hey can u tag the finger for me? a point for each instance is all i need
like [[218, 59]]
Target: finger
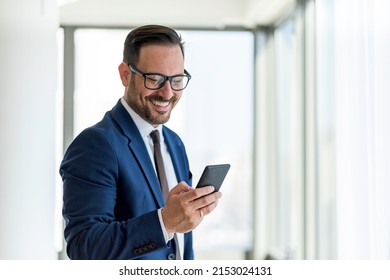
[[199, 192], [189, 195], [206, 200], [180, 188], [207, 209]]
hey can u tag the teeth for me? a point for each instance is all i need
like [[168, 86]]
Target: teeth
[[161, 103]]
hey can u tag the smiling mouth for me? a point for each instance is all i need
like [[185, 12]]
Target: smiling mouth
[[161, 103]]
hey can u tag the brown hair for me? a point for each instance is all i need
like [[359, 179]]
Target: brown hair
[[149, 35]]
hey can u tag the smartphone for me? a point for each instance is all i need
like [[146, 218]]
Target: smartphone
[[213, 175]]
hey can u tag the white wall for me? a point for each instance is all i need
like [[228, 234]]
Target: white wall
[[28, 82]]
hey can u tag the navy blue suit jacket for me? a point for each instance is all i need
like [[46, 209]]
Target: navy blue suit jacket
[[111, 192]]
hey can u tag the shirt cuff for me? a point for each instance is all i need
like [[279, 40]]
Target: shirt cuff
[[167, 237]]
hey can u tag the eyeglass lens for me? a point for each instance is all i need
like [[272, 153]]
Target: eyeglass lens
[[157, 81]]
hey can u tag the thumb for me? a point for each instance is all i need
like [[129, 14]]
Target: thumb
[[180, 188]]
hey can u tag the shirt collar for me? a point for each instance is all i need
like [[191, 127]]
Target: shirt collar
[[143, 126]]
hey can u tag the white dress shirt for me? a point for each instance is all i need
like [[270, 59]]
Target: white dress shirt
[[145, 129]]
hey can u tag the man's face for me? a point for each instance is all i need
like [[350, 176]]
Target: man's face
[[155, 106]]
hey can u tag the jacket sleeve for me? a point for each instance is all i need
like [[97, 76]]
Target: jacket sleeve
[[89, 172]]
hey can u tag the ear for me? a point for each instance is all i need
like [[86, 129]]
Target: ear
[[124, 73]]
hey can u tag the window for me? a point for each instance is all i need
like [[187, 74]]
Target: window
[[288, 146], [354, 63], [279, 133]]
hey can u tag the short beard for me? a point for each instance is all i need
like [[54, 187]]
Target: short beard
[[148, 113], [144, 111]]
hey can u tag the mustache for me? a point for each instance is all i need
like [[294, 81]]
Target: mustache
[[161, 99]]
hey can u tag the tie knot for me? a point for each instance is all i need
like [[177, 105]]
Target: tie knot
[[155, 136]]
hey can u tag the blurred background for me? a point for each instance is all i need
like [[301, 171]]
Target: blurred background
[[294, 94]]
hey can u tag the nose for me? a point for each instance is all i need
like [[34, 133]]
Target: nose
[[166, 91]]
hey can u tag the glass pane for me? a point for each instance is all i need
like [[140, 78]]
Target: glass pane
[[59, 152], [215, 122], [288, 134], [353, 99], [97, 85]]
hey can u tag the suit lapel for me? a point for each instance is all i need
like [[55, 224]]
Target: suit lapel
[[138, 149]]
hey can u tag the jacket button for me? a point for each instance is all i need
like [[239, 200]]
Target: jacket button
[[171, 257], [151, 246]]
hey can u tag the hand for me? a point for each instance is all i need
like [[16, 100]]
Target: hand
[[185, 207]]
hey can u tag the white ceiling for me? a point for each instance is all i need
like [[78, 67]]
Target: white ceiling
[[175, 13]]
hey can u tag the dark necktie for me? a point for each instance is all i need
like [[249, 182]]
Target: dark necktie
[[158, 160], [162, 177]]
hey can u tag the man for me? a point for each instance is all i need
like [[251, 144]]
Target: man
[[114, 207]]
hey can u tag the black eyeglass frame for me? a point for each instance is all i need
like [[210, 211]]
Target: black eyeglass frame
[[166, 78]]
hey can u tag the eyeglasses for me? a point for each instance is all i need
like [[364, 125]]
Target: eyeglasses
[[156, 81]]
